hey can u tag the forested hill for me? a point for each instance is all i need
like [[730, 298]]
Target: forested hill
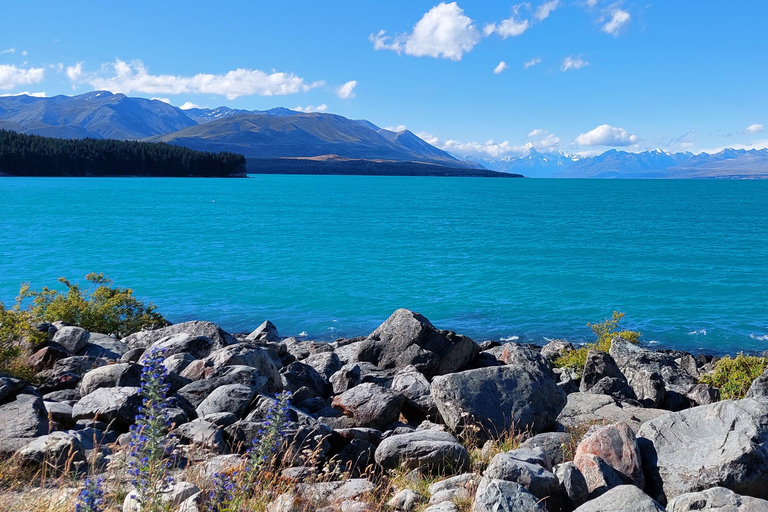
[[32, 155]]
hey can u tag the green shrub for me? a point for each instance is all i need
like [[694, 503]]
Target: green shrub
[[18, 336], [604, 331], [734, 376], [101, 308]]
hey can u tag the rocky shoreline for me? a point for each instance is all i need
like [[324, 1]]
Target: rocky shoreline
[[636, 430]]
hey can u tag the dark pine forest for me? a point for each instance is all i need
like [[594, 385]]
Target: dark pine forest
[[32, 155]]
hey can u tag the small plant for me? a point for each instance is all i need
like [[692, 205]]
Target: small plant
[[102, 308], [605, 332], [148, 465], [18, 335], [734, 376], [254, 482], [91, 497]]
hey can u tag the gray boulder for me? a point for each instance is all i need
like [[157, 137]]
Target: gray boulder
[[502, 496], [183, 342], [101, 345], [615, 444], [624, 498], [499, 398], [145, 339], [586, 408], [598, 474], [299, 375], [533, 477], [325, 363], [370, 405], [177, 363], [196, 392], [759, 387], [79, 365], [234, 398], [723, 444], [119, 405], [58, 450], [245, 355], [120, 374], [201, 433], [717, 499], [10, 387], [415, 388], [21, 420], [265, 332], [552, 443], [555, 349], [71, 338], [515, 354], [430, 450], [599, 365], [573, 483], [408, 338]]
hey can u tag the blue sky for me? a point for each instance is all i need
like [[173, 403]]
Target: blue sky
[[572, 75]]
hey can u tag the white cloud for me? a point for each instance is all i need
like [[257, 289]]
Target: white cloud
[[164, 100], [9, 50], [545, 9], [754, 128], [544, 141], [319, 108], [75, 73], [347, 90], [489, 149], [188, 105], [591, 3], [397, 129], [11, 76], [618, 19], [511, 27], [532, 62], [606, 135], [501, 67], [25, 93], [444, 31], [572, 62], [240, 82]]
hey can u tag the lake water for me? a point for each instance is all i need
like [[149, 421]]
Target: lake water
[[329, 256]]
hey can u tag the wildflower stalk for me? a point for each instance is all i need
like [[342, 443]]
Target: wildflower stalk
[[148, 465]]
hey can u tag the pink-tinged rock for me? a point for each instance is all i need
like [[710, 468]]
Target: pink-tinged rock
[[616, 445], [45, 357]]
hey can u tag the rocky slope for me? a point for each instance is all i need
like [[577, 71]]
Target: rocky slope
[[408, 397]]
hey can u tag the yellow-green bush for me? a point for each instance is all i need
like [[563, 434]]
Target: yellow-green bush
[[734, 376], [101, 308], [604, 331]]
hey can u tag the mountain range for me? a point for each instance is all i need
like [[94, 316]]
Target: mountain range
[[327, 142], [270, 134], [728, 163]]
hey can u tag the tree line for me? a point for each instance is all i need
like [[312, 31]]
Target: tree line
[[33, 155]]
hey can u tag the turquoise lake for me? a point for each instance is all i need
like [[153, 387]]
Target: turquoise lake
[[330, 256]]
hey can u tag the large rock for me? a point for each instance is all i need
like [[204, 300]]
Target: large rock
[[370, 405], [759, 387], [573, 483], [717, 499], [20, 421], [10, 387], [723, 444], [101, 345], [145, 339], [234, 398], [265, 332], [502, 496], [600, 477], [513, 468], [201, 433], [415, 387], [431, 450], [515, 354], [407, 338], [551, 443], [58, 450], [616, 445], [181, 343], [299, 375], [197, 391], [119, 405], [624, 498], [120, 374], [71, 338], [499, 398], [587, 408], [245, 355], [598, 366], [324, 363]]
